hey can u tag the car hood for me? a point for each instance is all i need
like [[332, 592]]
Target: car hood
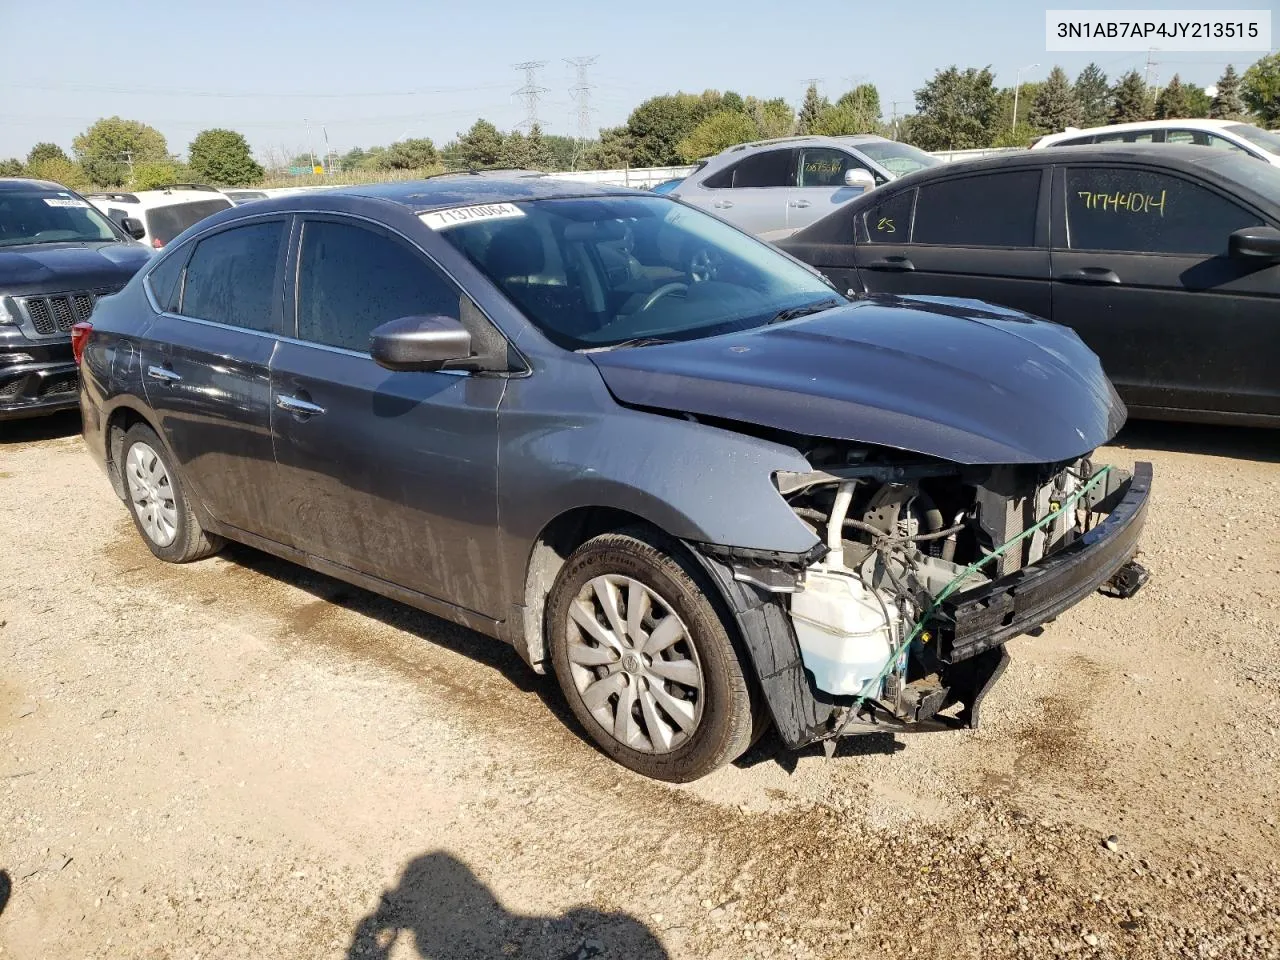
[[962, 380], [68, 267]]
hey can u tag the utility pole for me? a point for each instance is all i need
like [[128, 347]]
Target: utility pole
[[328, 156], [530, 91], [581, 92], [128, 159], [1017, 85], [893, 123], [312, 144]]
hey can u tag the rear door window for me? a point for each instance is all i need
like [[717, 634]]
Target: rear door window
[[352, 279], [164, 279], [990, 210], [890, 220], [165, 223], [1148, 211], [769, 168], [231, 277]]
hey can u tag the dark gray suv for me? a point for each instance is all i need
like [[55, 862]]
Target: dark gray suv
[[649, 451]]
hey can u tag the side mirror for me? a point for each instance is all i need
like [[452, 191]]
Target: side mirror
[[419, 343], [1263, 242], [857, 177], [133, 228]]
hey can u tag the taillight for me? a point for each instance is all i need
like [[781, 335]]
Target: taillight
[[157, 243], [79, 337]]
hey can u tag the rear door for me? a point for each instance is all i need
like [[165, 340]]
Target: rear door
[[820, 185], [1141, 272], [205, 361], [982, 236], [390, 474], [752, 194]]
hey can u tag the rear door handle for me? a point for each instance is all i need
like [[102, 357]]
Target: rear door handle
[[900, 264], [298, 405], [799, 203], [163, 374], [1090, 275]]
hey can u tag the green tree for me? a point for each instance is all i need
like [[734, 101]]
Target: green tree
[[955, 110], [352, 159], [1005, 103], [656, 127], [481, 146], [732, 101], [63, 171], [156, 173], [12, 168], [842, 120], [1227, 104], [773, 118], [1094, 95], [810, 110], [413, 154], [46, 151], [1131, 99], [109, 146], [1199, 103], [561, 151], [865, 98], [222, 157], [515, 151], [718, 132], [539, 150], [1174, 101], [612, 151], [1054, 106], [1260, 90]]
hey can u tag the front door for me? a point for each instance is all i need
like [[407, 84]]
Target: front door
[[205, 362], [820, 186], [751, 194], [1141, 272], [390, 474], [983, 237]]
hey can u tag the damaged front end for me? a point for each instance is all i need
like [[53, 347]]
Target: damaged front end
[[898, 620]]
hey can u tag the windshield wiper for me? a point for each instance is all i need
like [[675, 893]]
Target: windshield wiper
[[793, 313], [634, 342]]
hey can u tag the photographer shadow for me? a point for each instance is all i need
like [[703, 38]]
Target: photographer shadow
[[450, 914]]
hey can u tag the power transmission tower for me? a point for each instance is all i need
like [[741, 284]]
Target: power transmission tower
[[581, 93], [1146, 77], [530, 92]]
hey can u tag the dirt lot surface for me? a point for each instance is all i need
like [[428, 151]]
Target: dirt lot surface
[[243, 759]]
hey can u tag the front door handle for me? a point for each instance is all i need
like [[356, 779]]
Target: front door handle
[[722, 204], [163, 374], [1090, 275], [799, 203], [297, 405], [900, 264]]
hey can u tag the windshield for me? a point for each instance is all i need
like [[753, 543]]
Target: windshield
[[50, 216], [898, 158], [596, 272], [1265, 139], [1261, 178]]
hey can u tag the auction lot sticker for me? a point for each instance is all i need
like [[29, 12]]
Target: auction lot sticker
[[1206, 30], [443, 219]]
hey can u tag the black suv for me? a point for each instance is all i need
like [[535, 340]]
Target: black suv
[[57, 256]]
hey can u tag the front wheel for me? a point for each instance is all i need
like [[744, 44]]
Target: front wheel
[[644, 659]]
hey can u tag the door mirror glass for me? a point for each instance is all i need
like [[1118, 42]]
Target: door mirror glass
[[419, 343], [133, 228], [1261, 242], [857, 177]]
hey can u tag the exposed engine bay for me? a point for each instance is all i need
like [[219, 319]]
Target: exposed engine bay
[[901, 536]]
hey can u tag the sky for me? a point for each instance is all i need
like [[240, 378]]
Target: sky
[[285, 72]]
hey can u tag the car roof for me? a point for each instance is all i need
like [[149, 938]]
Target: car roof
[[1188, 124], [458, 190], [185, 193], [27, 183]]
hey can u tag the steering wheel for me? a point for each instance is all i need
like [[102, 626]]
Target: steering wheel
[[702, 266], [663, 291]]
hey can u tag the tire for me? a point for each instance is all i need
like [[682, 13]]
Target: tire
[[158, 503], [672, 710]]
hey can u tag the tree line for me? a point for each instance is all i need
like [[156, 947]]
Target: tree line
[[956, 109]]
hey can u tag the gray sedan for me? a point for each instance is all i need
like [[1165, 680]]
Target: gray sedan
[[658, 457]]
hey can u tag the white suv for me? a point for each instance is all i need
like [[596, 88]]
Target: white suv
[[1219, 134], [157, 216]]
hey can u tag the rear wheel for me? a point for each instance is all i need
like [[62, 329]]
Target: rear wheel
[[159, 504], [645, 661]]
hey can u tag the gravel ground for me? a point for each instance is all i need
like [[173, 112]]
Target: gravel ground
[[241, 758]]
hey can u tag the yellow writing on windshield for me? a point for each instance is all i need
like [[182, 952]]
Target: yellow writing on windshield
[[1135, 202]]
